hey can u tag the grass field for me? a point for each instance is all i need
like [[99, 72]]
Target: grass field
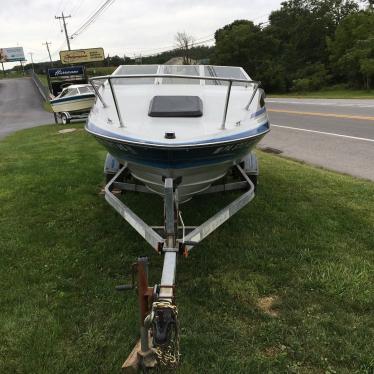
[[13, 74], [285, 286], [329, 94], [43, 78]]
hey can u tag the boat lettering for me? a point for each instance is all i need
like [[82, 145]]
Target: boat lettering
[[125, 148], [121, 147], [228, 148]]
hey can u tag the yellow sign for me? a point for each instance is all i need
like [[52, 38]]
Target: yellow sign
[[82, 55]]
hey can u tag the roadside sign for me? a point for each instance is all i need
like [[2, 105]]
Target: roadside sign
[[82, 55], [12, 54], [58, 78], [66, 72]]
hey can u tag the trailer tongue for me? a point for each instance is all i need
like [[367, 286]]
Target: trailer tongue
[[159, 327]]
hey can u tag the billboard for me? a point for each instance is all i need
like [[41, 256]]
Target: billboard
[[12, 54], [82, 55]]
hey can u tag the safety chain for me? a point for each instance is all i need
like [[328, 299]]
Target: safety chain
[[168, 355]]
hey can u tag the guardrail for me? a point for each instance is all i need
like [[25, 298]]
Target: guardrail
[[230, 81], [43, 90]]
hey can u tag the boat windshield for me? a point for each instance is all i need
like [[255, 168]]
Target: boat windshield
[[181, 70], [68, 92], [85, 90], [193, 70], [223, 72], [134, 70]]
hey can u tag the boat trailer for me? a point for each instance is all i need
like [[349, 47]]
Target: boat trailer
[[159, 329], [67, 117]]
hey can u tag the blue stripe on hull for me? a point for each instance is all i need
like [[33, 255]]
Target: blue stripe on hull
[[72, 98], [179, 158], [258, 131]]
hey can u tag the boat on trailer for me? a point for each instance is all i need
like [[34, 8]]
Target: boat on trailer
[[74, 99], [186, 122], [175, 131]]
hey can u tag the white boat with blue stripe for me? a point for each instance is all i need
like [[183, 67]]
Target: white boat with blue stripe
[[74, 98], [191, 123]]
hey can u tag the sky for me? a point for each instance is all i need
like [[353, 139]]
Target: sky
[[126, 27]]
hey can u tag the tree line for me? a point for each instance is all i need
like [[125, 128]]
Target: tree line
[[306, 45]]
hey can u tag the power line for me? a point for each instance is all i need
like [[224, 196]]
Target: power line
[[66, 31], [197, 41], [170, 50], [92, 18]]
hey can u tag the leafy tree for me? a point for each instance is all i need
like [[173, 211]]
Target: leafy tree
[[352, 48], [236, 44], [302, 27], [367, 69], [244, 44], [291, 50]]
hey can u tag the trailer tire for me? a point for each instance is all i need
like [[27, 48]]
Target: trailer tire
[[64, 119]]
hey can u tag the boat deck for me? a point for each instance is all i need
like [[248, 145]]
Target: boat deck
[[134, 102]]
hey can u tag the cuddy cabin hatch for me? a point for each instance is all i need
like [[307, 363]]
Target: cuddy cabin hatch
[[176, 106]]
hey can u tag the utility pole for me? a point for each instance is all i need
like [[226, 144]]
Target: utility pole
[[66, 31], [49, 52], [32, 61], [23, 69]]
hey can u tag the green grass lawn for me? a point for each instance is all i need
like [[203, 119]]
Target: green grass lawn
[[329, 94], [285, 286], [11, 74], [43, 78]]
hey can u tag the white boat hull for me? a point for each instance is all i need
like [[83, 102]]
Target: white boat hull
[[76, 105], [192, 131], [193, 169]]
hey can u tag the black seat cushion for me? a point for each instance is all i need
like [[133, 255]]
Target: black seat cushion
[[176, 106]]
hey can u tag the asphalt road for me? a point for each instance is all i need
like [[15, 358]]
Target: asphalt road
[[20, 106], [335, 134]]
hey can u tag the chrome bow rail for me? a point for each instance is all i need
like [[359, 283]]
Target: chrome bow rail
[[230, 81]]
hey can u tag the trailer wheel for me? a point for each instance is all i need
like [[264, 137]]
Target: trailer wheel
[[64, 119]]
